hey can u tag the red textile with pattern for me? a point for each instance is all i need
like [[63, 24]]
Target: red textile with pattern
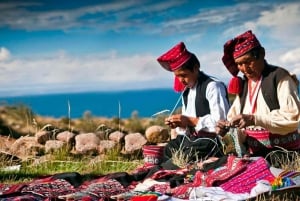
[[160, 174], [102, 188], [233, 167], [49, 189], [246, 180], [10, 188], [262, 139]]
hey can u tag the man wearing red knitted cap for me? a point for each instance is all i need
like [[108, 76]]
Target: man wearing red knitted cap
[[204, 102], [266, 110]]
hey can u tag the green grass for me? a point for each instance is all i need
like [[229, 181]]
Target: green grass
[[62, 161]]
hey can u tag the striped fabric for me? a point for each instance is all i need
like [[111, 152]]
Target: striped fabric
[[261, 139], [153, 154]]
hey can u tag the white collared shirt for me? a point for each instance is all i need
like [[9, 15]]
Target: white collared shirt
[[218, 105]]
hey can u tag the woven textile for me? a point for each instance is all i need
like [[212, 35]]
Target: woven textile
[[49, 189], [261, 139], [246, 180], [233, 167]]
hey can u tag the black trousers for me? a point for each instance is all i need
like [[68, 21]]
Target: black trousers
[[193, 148]]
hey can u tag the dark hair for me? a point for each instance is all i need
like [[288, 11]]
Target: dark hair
[[255, 52], [191, 63]]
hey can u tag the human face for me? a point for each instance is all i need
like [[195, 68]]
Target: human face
[[187, 77], [250, 66]]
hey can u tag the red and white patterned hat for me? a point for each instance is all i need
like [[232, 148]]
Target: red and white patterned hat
[[233, 49], [175, 57], [237, 47]]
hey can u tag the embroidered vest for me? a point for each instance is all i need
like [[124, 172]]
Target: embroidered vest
[[271, 77]]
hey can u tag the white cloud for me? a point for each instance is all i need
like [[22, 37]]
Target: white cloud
[[292, 56], [4, 54], [280, 27], [116, 15], [283, 22], [292, 59], [93, 72]]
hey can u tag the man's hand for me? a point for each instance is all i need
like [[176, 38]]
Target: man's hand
[[243, 120], [182, 121], [222, 127]]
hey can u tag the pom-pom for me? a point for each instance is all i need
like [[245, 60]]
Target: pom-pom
[[235, 85], [178, 86]]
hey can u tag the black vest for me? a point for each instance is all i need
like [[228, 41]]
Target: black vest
[[271, 75], [201, 103]]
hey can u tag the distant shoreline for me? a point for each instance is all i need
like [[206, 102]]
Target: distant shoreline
[[143, 103]]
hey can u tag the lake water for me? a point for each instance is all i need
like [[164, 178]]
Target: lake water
[[101, 104]]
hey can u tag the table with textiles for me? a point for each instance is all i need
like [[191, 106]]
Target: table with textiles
[[229, 177]]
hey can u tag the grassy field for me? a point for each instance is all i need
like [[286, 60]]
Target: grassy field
[[62, 161]]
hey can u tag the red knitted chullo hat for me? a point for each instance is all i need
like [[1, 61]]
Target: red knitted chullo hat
[[173, 59], [233, 49]]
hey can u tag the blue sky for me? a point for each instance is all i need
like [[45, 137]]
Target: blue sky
[[57, 46]]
